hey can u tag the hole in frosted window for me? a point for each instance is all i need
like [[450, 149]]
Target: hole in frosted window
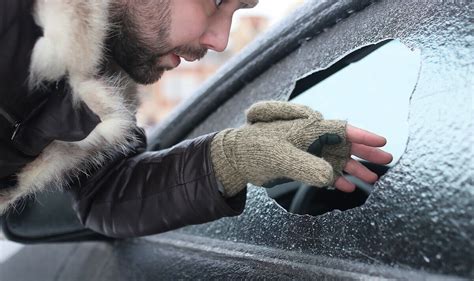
[[371, 89]]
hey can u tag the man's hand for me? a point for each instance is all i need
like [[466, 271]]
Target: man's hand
[[364, 146], [282, 140]]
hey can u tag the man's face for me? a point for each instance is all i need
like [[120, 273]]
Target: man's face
[[152, 36]]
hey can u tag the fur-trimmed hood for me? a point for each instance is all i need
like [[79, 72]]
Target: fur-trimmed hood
[[72, 48]]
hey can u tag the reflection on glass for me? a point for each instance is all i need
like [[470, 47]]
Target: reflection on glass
[[372, 93]]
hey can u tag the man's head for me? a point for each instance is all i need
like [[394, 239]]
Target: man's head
[[151, 36]]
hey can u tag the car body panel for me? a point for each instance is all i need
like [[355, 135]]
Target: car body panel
[[177, 257]]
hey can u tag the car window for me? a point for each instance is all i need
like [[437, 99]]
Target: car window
[[372, 92], [370, 88]]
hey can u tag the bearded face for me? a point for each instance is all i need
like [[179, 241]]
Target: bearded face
[[140, 42], [149, 37]]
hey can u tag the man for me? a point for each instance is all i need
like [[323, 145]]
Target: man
[[68, 71]]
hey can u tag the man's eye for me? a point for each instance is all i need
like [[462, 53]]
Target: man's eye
[[218, 2]]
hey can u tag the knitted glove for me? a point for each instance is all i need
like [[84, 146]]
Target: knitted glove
[[279, 140]]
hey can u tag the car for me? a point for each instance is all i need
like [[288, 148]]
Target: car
[[416, 222]]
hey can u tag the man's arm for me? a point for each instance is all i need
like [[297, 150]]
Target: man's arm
[[154, 192]]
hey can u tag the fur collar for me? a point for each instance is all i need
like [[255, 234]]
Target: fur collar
[[73, 46]]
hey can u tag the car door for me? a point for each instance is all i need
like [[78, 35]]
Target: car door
[[419, 214], [417, 220]]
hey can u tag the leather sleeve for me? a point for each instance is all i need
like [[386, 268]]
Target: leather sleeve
[[153, 192]]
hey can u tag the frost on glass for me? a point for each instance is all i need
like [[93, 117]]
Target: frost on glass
[[421, 212]]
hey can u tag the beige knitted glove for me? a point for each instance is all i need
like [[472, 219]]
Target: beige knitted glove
[[275, 143]]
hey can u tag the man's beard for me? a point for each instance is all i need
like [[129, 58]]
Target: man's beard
[[135, 55]]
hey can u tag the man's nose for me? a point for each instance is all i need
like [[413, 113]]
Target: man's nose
[[216, 36]]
